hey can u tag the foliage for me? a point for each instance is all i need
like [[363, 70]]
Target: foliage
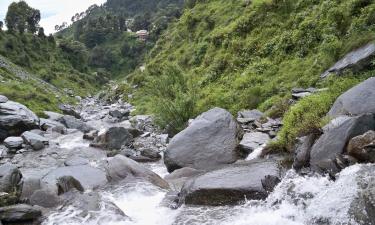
[[21, 17], [254, 57]]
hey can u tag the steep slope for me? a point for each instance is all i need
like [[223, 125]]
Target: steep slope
[[250, 54]]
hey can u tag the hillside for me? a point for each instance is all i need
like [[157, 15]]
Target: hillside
[[253, 58]]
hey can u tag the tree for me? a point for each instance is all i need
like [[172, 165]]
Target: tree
[[1, 25], [21, 17], [41, 32]]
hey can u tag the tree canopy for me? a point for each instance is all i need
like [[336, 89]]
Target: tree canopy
[[21, 17]]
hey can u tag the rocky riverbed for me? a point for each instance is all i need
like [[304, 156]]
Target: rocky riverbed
[[97, 164]]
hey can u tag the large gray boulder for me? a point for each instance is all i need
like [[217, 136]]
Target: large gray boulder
[[82, 178], [355, 60], [10, 178], [37, 142], [120, 168], [326, 150], [73, 123], [356, 101], [178, 178], [232, 184], [210, 140], [16, 118], [302, 151], [13, 142], [69, 110], [113, 138], [19, 213]]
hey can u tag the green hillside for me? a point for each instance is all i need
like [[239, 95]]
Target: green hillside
[[249, 54]]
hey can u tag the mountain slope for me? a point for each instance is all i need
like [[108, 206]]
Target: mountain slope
[[250, 54]]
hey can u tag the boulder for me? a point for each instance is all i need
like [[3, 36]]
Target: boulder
[[113, 138], [53, 115], [356, 101], [325, 151], [44, 198], [302, 151], [120, 167], [91, 135], [3, 99], [76, 161], [30, 185], [19, 213], [178, 177], [253, 140], [54, 126], [363, 147], [210, 140], [10, 178], [15, 119], [69, 110], [356, 60], [231, 184], [247, 116], [36, 141], [13, 142], [82, 178], [73, 123]]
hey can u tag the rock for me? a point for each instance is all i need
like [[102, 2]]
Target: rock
[[73, 123], [113, 138], [302, 151], [254, 140], [231, 184], [91, 135], [357, 60], [170, 200], [250, 115], [82, 178], [10, 178], [54, 126], [18, 213], [76, 161], [363, 147], [178, 177], [120, 167], [356, 101], [298, 96], [332, 143], [119, 114], [211, 140], [45, 198], [3, 99], [13, 142], [69, 110], [135, 132], [53, 115], [142, 122], [15, 119], [30, 185], [36, 141]]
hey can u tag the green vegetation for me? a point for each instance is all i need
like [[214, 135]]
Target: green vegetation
[[254, 57]]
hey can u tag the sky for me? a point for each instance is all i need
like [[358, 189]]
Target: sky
[[53, 11]]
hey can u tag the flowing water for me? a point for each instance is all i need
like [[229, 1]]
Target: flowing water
[[297, 200]]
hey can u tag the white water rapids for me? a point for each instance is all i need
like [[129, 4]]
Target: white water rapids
[[297, 200]]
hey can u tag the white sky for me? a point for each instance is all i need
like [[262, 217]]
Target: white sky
[[53, 11]]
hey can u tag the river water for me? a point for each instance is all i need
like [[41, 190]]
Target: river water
[[297, 200]]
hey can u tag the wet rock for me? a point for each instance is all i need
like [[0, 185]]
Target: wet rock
[[54, 126], [19, 213], [356, 60], [302, 151], [178, 177], [76, 161], [13, 142], [363, 147], [332, 143], [253, 140], [3, 99], [82, 178], [171, 200], [10, 178], [73, 123], [30, 185], [44, 198], [211, 140], [356, 101], [91, 135], [120, 167], [69, 110], [113, 138], [231, 184], [15, 119], [36, 141]]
